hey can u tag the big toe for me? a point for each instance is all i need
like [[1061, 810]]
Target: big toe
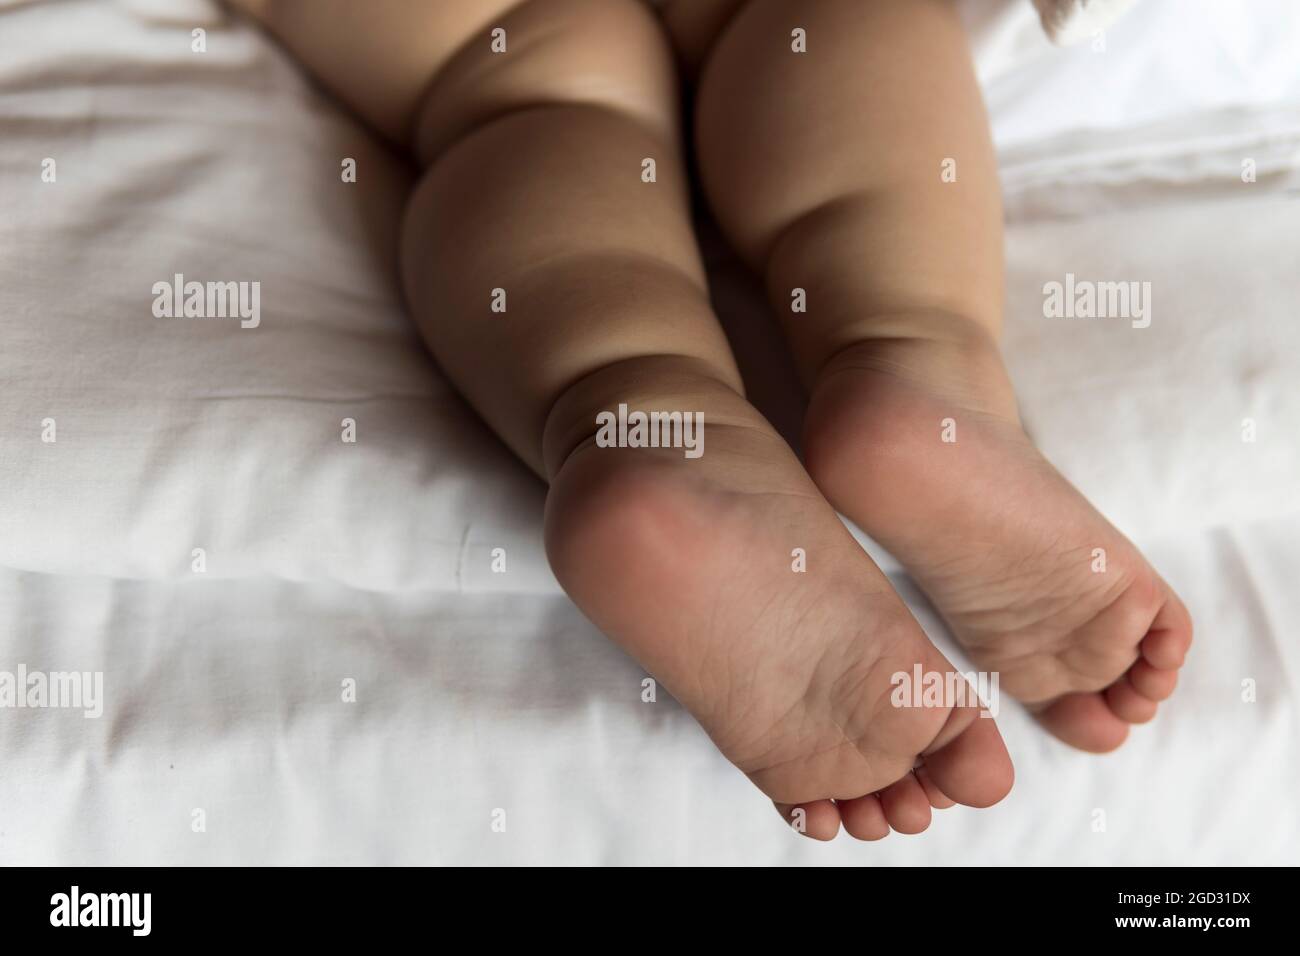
[[971, 767]]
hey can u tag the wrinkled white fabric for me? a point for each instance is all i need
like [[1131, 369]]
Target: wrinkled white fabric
[[372, 561]]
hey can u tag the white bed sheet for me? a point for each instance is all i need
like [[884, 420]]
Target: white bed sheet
[[225, 697], [371, 561]]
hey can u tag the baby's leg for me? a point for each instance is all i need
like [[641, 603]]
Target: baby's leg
[[536, 188], [859, 179], [534, 199]]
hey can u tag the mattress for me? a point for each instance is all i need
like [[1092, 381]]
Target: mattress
[[307, 654]]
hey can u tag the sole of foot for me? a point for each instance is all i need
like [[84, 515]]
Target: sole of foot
[[734, 583], [919, 443]]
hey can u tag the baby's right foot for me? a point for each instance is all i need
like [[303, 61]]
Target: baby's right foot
[[690, 565]]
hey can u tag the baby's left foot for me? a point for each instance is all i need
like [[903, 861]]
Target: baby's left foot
[[918, 442]]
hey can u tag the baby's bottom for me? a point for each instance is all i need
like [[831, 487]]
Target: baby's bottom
[[555, 274]]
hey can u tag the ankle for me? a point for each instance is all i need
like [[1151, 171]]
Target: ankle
[[894, 395], [687, 388], [943, 354]]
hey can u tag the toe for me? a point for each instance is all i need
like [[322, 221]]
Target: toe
[[1127, 704], [973, 767], [938, 799], [1152, 683], [819, 819], [1169, 636], [864, 817], [906, 806], [1084, 721]]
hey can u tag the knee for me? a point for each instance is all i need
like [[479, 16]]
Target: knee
[[608, 53]]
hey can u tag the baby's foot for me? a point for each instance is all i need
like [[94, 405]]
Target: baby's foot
[[690, 564], [917, 440]]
